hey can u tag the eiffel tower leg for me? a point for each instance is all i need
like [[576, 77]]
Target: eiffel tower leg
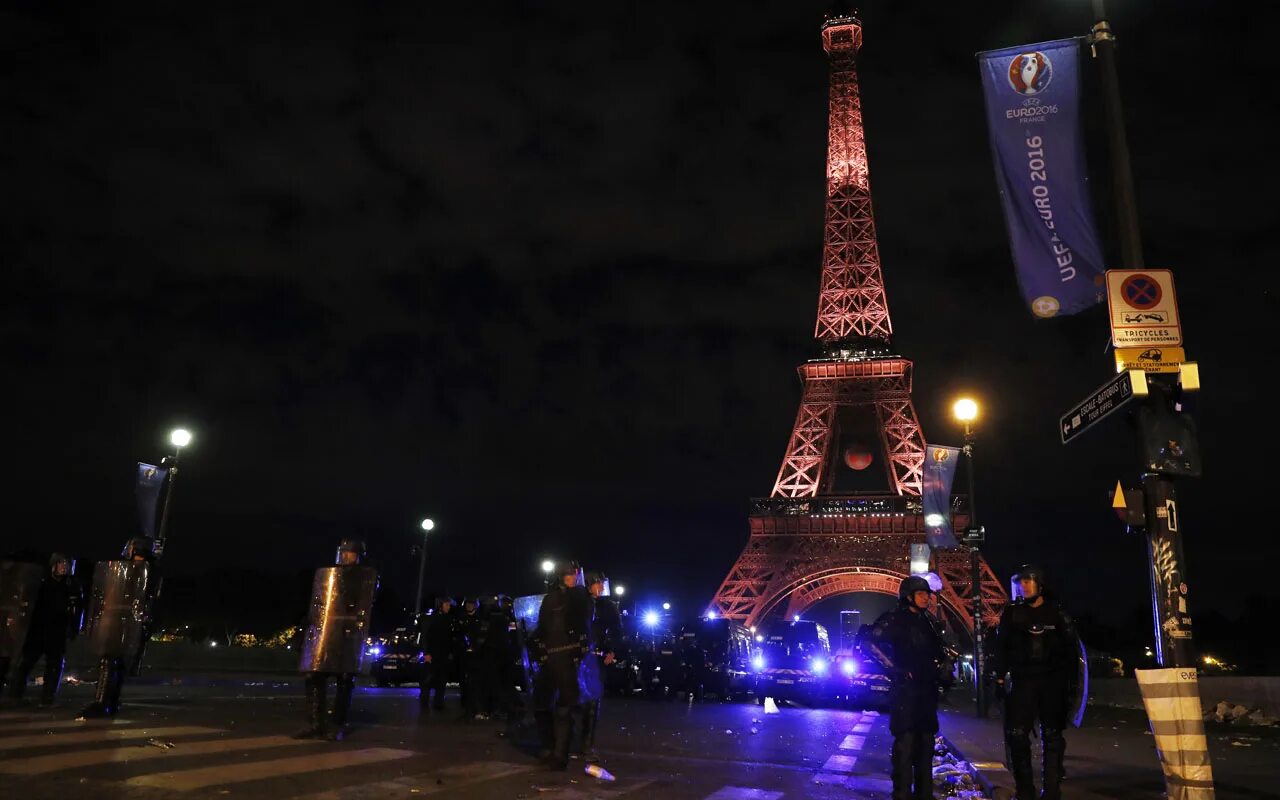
[[903, 442]]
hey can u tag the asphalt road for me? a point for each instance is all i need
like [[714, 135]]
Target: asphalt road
[[230, 739]]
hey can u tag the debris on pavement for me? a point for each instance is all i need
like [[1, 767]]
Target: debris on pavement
[[1236, 714], [953, 777]]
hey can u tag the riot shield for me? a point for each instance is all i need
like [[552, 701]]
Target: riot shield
[[526, 612], [19, 587], [1080, 698], [338, 620], [119, 609]]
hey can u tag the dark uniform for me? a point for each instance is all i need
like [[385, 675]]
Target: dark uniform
[[439, 645], [1037, 645], [606, 629], [908, 645], [469, 636], [563, 641], [485, 631], [59, 611], [119, 620], [334, 641]]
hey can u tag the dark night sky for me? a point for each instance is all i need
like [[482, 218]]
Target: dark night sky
[[546, 273]]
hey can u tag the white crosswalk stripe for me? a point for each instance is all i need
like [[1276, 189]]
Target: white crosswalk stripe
[[448, 779], [101, 735], [852, 742], [37, 765], [202, 777], [61, 724]]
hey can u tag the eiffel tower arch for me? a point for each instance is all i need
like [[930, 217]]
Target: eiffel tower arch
[[839, 519]]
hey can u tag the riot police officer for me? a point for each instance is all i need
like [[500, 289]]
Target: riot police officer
[[606, 627], [19, 586], [1037, 646], [564, 639], [469, 634], [439, 646], [59, 610], [908, 644], [119, 620], [334, 641]]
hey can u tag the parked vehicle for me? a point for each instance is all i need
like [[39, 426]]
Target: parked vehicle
[[715, 658], [793, 663], [398, 659]]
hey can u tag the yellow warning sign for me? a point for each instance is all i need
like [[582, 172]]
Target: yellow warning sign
[[1150, 359]]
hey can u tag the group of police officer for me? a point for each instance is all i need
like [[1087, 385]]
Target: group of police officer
[[1035, 665]]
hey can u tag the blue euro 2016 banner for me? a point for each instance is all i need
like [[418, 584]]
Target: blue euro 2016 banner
[[150, 482], [1033, 114], [938, 475]]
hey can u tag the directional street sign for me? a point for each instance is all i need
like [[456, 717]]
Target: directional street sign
[[1107, 398]]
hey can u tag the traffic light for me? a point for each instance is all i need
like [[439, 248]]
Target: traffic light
[[1168, 436]]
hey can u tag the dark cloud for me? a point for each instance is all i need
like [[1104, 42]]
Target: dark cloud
[[547, 272]]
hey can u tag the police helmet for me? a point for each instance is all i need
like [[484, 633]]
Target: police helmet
[[62, 558], [1032, 572], [350, 544], [910, 585], [143, 546]]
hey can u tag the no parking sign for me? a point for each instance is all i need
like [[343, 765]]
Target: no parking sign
[[1144, 310]]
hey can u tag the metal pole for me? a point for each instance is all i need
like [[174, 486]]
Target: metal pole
[[422, 571], [975, 563], [1104, 45], [164, 509]]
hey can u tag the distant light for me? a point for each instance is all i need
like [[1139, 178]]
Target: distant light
[[180, 437], [757, 663], [666, 606], [759, 638], [849, 667], [651, 618], [711, 615], [965, 409], [818, 665], [428, 524], [548, 565], [753, 628], [375, 651], [619, 590], [797, 618], [213, 644], [934, 520]]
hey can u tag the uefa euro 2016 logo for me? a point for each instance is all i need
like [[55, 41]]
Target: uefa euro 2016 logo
[[1030, 73]]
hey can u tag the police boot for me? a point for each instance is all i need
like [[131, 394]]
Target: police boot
[[53, 666], [315, 686], [1017, 749], [901, 761], [922, 767], [544, 720], [559, 758], [590, 724], [114, 687], [341, 705], [1055, 747], [98, 708]]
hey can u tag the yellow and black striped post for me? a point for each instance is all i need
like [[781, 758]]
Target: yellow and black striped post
[[1172, 699]]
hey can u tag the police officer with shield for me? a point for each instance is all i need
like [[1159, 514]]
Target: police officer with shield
[[334, 641], [1038, 666], [59, 610], [119, 620], [19, 589], [907, 642], [606, 627], [563, 641]]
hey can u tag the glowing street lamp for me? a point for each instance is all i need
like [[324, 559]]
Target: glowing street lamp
[[547, 566], [427, 526], [966, 411], [666, 606], [619, 590]]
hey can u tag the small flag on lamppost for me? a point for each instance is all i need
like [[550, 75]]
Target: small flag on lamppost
[[150, 482]]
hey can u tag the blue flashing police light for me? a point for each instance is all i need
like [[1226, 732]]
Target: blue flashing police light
[[849, 667], [711, 615], [757, 663], [818, 666], [651, 618]]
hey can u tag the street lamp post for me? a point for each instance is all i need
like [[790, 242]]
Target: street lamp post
[[547, 566], [179, 438], [966, 410], [427, 526]]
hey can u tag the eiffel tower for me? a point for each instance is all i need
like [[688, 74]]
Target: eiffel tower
[[834, 524]]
